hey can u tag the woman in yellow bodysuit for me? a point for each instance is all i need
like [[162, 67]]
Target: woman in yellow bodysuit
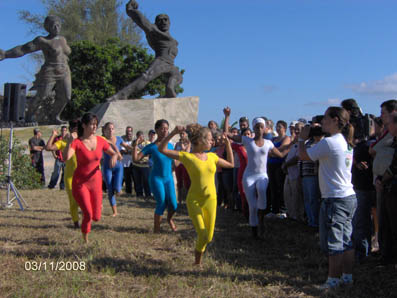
[[201, 199], [70, 166]]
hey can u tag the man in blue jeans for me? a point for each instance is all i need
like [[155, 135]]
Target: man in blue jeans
[[59, 164]]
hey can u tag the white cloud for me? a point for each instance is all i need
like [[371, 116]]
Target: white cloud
[[327, 103], [385, 86]]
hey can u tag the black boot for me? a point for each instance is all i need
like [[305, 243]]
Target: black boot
[[255, 232]]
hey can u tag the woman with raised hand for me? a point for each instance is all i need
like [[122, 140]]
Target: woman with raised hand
[[70, 167], [113, 176], [87, 178], [201, 199], [339, 202], [255, 179], [161, 180]]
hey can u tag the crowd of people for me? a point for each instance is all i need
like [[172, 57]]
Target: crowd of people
[[335, 173]]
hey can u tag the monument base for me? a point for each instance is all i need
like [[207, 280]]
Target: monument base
[[142, 114]]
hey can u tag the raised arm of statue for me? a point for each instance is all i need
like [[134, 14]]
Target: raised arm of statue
[[138, 17], [19, 51]]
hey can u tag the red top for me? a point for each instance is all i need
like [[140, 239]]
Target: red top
[[88, 161], [242, 154]]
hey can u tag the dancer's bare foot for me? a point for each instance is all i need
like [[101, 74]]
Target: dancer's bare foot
[[157, 221], [197, 258], [85, 238], [172, 225], [114, 208]]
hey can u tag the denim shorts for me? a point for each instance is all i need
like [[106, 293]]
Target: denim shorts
[[336, 215]]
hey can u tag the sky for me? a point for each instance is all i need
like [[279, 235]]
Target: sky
[[280, 59]]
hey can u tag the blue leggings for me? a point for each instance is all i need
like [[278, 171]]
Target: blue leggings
[[114, 181], [163, 189]]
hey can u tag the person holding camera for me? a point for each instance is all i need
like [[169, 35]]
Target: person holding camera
[[309, 173], [335, 156]]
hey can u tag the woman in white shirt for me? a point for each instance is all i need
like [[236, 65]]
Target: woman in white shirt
[[339, 203]]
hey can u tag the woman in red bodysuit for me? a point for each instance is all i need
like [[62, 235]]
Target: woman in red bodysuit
[[87, 178]]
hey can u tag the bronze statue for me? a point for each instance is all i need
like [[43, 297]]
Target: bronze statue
[[54, 73], [165, 48]]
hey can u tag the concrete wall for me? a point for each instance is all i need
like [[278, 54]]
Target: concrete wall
[[141, 114]]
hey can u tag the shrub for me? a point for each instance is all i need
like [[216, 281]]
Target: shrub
[[23, 175]]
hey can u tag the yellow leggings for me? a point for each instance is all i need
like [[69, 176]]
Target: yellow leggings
[[74, 208], [203, 215]]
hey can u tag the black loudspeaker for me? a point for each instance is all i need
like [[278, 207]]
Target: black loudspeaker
[[14, 102]]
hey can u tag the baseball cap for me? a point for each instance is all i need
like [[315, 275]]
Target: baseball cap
[[36, 130], [152, 131]]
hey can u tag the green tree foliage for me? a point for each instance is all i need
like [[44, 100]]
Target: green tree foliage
[[99, 71], [92, 20], [24, 176]]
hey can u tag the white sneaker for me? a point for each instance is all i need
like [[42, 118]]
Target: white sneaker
[[282, 215], [346, 283], [271, 215], [329, 285]]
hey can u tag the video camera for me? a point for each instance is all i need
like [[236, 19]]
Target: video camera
[[362, 123]]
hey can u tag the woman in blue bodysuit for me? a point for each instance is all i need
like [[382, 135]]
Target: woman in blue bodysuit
[[160, 179], [113, 176]]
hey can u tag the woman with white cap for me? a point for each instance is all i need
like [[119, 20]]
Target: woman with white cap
[[255, 179]]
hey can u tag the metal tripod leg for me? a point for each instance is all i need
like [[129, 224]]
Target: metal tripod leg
[[17, 196]]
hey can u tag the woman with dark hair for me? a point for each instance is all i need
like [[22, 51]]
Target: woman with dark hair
[[182, 177], [212, 125], [339, 203], [201, 166], [276, 175], [113, 176], [242, 156], [87, 178], [161, 180]]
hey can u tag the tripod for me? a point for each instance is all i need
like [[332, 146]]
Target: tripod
[[10, 184]]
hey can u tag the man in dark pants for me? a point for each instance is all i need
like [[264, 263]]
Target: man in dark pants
[[59, 164], [127, 160], [36, 146], [388, 183], [383, 153]]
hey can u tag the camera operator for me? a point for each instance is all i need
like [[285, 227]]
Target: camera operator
[[362, 177], [335, 156], [362, 123], [308, 170]]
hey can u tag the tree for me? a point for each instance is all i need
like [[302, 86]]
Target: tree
[[92, 20], [99, 71]]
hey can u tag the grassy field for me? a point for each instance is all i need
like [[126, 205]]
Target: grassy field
[[125, 259]]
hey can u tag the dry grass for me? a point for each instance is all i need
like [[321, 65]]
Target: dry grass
[[125, 259]]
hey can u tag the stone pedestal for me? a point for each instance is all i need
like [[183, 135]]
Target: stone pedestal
[[141, 114]]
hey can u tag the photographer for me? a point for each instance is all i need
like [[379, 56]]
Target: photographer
[[309, 172], [339, 203]]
